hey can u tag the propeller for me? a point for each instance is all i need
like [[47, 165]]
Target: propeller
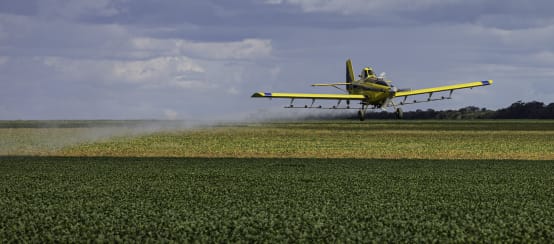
[[393, 89]]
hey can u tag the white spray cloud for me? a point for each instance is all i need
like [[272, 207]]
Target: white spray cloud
[[170, 114]]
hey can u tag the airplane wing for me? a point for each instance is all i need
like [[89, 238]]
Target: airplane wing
[[309, 96], [443, 88]]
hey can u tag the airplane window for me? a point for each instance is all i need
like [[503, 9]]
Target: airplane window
[[382, 82]]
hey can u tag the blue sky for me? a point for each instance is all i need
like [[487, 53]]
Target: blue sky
[[158, 59]]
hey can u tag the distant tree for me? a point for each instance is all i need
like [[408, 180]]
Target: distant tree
[[517, 110], [549, 111], [522, 110]]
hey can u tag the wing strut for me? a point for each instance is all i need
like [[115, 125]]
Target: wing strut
[[338, 104]]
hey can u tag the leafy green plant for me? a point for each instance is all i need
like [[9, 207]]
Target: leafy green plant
[[69, 199]]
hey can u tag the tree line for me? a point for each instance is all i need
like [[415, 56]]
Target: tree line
[[518, 110]]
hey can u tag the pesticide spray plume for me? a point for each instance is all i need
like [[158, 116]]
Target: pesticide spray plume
[[42, 138], [293, 115], [49, 137]]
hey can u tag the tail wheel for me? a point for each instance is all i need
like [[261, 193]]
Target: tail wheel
[[399, 113], [361, 115]]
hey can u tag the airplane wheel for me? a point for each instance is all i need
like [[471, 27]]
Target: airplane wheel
[[399, 113], [361, 115]]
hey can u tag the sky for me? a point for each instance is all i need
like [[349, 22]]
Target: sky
[[193, 60]]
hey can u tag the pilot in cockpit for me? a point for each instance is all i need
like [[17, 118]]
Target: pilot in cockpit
[[367, 73]]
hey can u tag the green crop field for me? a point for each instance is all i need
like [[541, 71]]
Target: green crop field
[[340, 181]]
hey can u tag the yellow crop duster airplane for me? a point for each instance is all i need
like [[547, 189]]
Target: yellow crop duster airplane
[[370, 90]]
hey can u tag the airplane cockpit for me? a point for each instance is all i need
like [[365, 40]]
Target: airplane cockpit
[[367, 72]]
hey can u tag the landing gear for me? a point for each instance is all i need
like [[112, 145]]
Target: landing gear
[[399, 113], [361, 112]]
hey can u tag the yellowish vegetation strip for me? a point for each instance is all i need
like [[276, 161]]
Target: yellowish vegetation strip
[[300, 140]]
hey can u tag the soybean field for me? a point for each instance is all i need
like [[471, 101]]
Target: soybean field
[[316, 181]]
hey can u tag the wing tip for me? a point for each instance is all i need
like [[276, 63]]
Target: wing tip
[[261, 94], [487, 82]]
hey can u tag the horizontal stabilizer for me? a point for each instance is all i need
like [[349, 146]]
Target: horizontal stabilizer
[[332, 84]]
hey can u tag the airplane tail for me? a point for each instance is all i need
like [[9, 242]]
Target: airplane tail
[[349, 75]]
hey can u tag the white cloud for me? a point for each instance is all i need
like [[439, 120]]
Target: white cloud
[[363, 6], [4, 60], [514, 73], [514, 21], [40, 37], [154, 69], [510, 14], [274, 1], [192, 84], [117, 54], [273, 72], [167, 71], [539, 37], [233, 91], [3, 33], [533, 37], [245, 49], [74, 9], [72, 69], [544, 57], [113, 41]]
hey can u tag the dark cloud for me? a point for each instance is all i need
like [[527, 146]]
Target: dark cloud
[[511, 14]]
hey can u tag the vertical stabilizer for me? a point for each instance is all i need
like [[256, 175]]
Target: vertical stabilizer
[[349, 75]]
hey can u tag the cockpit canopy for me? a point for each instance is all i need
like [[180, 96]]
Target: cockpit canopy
[[367, 73]]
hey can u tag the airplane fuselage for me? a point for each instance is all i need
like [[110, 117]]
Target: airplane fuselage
[[376, 91]]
